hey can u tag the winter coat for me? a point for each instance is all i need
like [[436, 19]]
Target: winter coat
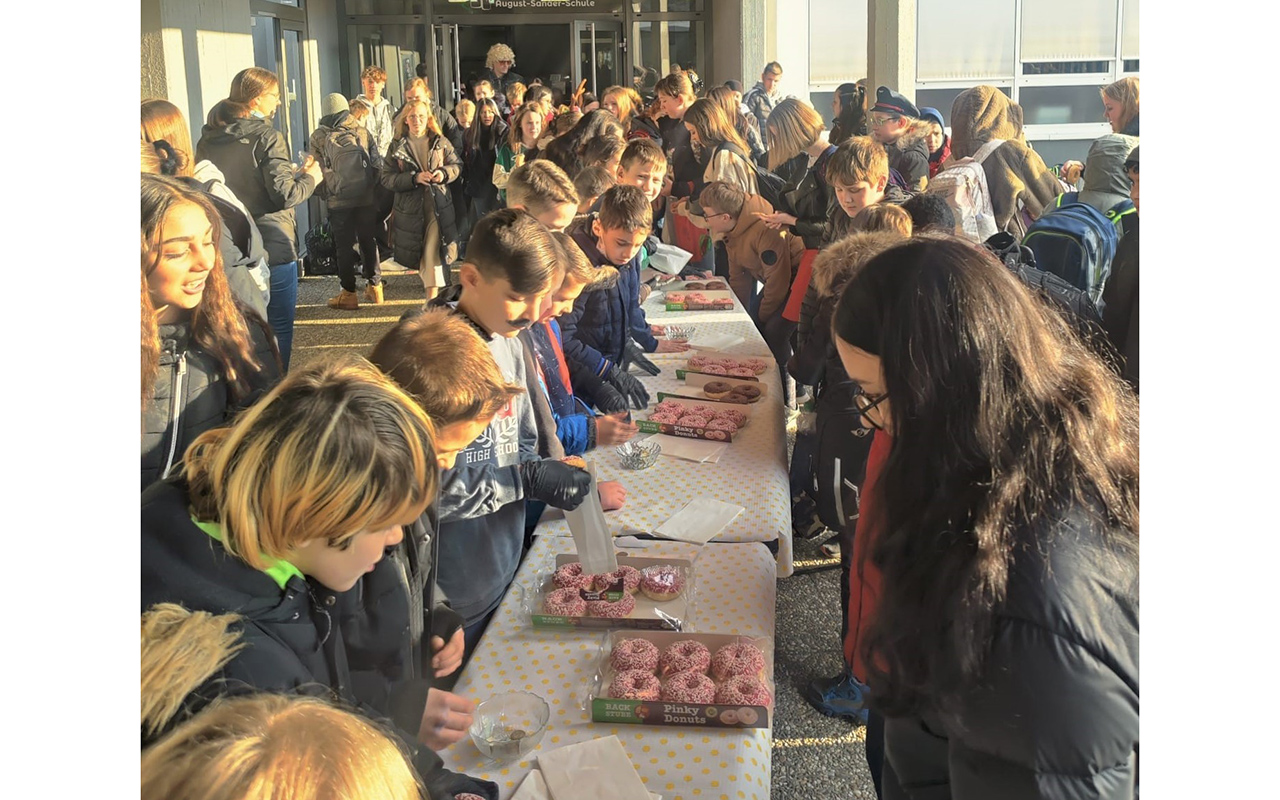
[[760, 103], [480, 160], [1016, 175], [318, 143], [729, 164], [1120, 299], [410, 204], [759, 253], [1055, 712], [448, 125], [808, 197], [910, 157], [500, 85], [596, 330], [244, 258], [686, 170], [1132, 128], [575, 425], [191, 395], [258, 167], [644, 128], [288, 624], [481, 501]]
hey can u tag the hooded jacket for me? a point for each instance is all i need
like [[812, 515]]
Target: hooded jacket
[[1106, 184], [258, 167], [289, 624], [1016, 175], [1055, 713], [910, 157], [481, 501], [319, 138], [409, 230], [758, 253], [596, 330], [191, 395], [381, 124]]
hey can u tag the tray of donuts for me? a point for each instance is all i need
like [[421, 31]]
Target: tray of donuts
[[708, 680], [642, 594], [720, 365], [694, 418], [699, 296]]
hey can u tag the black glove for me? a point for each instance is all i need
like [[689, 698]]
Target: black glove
[[445, 622], [632, 354], [630, 387], [555, 483], [608, 399]]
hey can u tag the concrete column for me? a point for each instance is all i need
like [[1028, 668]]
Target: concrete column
[[891, 47], [154, 80]]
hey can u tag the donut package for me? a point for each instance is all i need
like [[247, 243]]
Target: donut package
[[698, 296], [641, 594], [695, 418], [707, 680]]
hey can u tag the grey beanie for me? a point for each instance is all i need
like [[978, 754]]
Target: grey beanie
[[332, 104]]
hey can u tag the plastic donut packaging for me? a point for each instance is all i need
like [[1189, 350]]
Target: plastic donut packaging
[[570, 598]]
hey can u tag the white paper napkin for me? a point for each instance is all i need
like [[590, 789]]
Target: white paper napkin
[[534, 787], [699, 450], [669, 258], [598, 769], [699, 521], [715, 341]]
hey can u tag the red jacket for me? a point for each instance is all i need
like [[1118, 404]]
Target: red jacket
[[864, 588]]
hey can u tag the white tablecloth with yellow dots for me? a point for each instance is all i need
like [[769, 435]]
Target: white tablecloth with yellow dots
[[735, 594], [752, 472]]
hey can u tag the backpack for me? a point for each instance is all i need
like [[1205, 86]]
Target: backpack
[[964, 186], [322, 252], [1120, 214], [769, 185], [1076, 242], [237, 229], [348, 165], [1077, 307]]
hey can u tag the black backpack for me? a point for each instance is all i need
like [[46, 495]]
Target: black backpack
[[322, 252], [349, 173], [237, 233], [769, 185]]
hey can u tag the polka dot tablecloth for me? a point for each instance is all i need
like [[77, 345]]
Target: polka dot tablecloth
[[751, 473], [734, 593]]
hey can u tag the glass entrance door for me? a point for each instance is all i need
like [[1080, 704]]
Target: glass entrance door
[[597, 54]]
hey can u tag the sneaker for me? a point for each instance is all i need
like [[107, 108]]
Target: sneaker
[[345, 301], [831, 550], [838, 696], [804, 519], [373, 294]]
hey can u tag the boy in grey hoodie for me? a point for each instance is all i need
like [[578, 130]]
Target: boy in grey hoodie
[[509, 268]]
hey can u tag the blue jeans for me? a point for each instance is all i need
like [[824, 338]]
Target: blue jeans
[[283, 306]]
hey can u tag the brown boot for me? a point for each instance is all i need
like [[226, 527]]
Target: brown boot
[[373, 294], [345, 301]]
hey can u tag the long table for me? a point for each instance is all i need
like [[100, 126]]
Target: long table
[[736, 593], [752, 472]]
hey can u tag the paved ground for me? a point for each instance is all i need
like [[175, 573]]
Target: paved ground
[[813, 756]]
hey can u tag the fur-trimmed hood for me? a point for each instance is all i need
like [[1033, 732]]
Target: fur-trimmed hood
[[836, 264]]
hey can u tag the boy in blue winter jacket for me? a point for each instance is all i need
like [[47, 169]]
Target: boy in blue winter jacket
[[508, 271], [597, 329]]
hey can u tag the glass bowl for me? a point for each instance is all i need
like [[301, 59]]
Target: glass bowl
[[509, 726], [638, 455], [679, 333]]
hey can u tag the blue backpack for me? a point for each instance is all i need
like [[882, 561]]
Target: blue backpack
[[1076, 242]]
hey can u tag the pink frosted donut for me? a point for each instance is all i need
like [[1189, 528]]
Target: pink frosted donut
[[467, 796], [688, 687], [675, 297], [629, 654], [605, 608], [703, 410], [694, 421], [698, 361], [570, 576], [727, 362], [741, 372], [630, 577], [662, 583], [668, 405], [756, 365], [714, 369], [721, 424], [684, 656], [733, 415], [733, 660], [664, 417], [744, 690], [635, 684], [565, 603]]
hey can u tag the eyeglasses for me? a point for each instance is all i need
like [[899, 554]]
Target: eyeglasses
[[876, 122], [863, 403]]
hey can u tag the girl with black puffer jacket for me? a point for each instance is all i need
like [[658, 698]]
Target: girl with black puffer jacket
[[486, 133], [204, 357], [418, 168]]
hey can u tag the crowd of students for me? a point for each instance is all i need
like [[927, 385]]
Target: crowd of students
[[324, 547]]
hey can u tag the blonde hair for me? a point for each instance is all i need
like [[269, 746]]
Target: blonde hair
[[793, 128], [402, 121], [538, 186], [335, 449], [417, 83], [515, 93], [713, 126], [444, 365], [181, 650], [499, 52], [464, 104], [161, 120], [1124, 92], [629, 102], [272, 747], [857, 159], [883, 217]]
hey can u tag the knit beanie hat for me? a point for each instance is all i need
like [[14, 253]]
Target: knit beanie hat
[[1105, 181], [332, 104], [890, 102], [933, 115], [979, 115]]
